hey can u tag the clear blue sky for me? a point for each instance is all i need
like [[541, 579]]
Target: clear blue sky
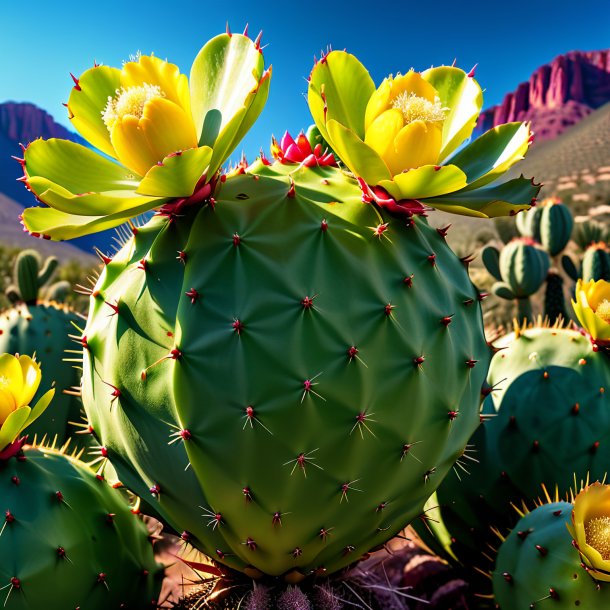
[[41, 41]]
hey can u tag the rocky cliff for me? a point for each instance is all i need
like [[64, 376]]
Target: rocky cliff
[[557, 95]]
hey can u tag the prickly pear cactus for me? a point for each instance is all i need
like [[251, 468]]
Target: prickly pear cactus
[[546, 420], [538, 567], [42, 327], [69, 540], [288, 373]]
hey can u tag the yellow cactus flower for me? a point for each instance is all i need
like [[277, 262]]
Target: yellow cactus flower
[[19, 380], [591, 529], [592, 307], [404, 122]]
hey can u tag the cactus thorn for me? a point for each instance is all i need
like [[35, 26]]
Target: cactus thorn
[[193, 295], [408, 281]]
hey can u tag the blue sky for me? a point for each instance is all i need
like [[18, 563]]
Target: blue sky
[[41, 41]]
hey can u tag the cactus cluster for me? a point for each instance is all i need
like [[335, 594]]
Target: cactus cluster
[[351, 344], [546, 420], [68, 540], [42, 326]]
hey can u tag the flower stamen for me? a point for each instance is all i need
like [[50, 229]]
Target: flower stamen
[[597, 534], [603, 311], [129, 101], [416, 108]]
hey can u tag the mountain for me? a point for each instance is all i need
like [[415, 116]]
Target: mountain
[[557, 95], [20, 123]]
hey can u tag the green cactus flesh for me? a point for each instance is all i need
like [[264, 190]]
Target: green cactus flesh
[[537, 566], [546, 421], [69, 540], [43, 330], [289, 373]]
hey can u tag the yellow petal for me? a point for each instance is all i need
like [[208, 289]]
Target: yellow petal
[[418, 143], [378, 102], [131, 145], [7, 405], [31, 379], [382, 132], [597, 292], [11, 377], [412, 82], [167, 128], [154, 71]]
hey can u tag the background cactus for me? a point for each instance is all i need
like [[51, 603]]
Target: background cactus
[[42, 327], [297, 371], [520, 268], [546, 420], [69, 540], [538, 566], [595, 264]]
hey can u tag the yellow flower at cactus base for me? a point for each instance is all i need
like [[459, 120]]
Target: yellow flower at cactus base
[[592, 307], [591, 529], [403, 122], [19, 380]]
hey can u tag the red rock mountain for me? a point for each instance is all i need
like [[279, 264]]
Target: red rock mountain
[[23, 122], [557, 95]]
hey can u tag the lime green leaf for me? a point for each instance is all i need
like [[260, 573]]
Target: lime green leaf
[[226, 70], [346, 85], [178, 175], [503, 199], [493, 154], [87, 101], [357, 155], [425, 181], [13, 425], [76, 168], [92, 204], [235, 130], [462, 96], [60, 225], [41, 406]]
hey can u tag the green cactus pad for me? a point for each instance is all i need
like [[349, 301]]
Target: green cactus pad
[[537, 566], [547, 420], [69, 540], [287, 374]]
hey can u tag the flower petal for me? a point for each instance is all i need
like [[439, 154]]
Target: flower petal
[[493, 154], [378, 102], [87, 102], [11, 376], [339, 89], [462, 95], [382, 132], [425, 181], [154, 71], [412, 83], [223, 75], [132, 146], [597, 292], [232, 133], [31, 379], [359, 157], [178, 175], [40, 406], [505, 199], [415, 145], [7, 405], [75, 167], [13, 425], [58, 225], [167, 128]]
